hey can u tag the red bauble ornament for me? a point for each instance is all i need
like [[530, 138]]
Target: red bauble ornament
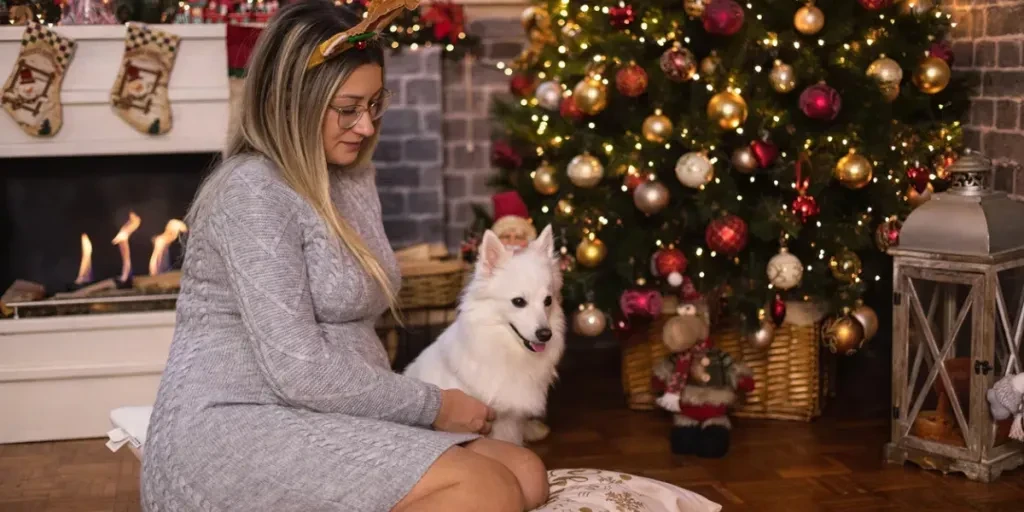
[[942, 50], [918, 177], [670, 263], [504, 156], [631, 80], [727, 235], [722, 17], [888, 234], [632, 181], [522, 85], [643, 303], [622, 328], [678, 63], [621, 16], [764, 152], [805, 207], [821, 102], [570, 110], [874, 5], [777, 310]]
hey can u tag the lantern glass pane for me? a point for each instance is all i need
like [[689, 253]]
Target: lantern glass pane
[[939, 364], [1008, 334]]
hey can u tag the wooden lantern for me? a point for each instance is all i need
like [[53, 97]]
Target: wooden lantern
[[958, 321]]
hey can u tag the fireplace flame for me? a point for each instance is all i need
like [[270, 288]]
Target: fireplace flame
[[85, 267], [159, 262], [121, 241]]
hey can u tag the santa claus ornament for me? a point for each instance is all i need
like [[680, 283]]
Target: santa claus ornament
[[512, 221]]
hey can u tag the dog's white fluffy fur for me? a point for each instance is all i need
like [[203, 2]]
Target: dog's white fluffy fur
[[494, 349]]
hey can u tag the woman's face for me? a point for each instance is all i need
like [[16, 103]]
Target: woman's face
[[353, 99]]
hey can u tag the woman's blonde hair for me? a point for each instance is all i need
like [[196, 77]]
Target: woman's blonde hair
[[283, 107]]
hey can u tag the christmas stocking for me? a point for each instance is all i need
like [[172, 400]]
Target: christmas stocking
[[139, 95], [32, 92]]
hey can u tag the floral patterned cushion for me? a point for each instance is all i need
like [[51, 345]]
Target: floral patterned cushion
[[595, 490]]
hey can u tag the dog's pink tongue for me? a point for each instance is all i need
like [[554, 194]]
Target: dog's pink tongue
[[538, 347]]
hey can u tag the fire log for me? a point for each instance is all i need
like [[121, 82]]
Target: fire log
[[88, 290], [160, 283], [20, 291]]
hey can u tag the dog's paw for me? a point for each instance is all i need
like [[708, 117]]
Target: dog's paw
[[669, 402], [535, 430]]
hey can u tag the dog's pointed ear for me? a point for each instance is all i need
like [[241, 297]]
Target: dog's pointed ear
[[545, 243], [492, 253]]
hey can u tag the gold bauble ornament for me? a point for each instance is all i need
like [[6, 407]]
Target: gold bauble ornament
[[545, 180], [782, 77], [932, 75], [809, 20], [657, 127], [589, 321], [868, 320], [845, 265], [843, 335], [854, 171], [728, 109], [591, 95], [743, 160], [885, 71], [915, 198], [709, 65], [694, 8], [585, 171], [651, 197], [890, 91], [590, 253], [537, 24], [763, 337]]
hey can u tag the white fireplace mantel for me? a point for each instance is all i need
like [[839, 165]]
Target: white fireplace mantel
[[198, 91]]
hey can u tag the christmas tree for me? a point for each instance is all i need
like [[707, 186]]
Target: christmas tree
[[764, 151]]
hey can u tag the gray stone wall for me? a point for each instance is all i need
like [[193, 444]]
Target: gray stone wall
[[434, 153], [468, 93], [987, 49], [409, 155]]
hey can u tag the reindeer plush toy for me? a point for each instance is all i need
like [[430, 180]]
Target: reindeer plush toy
[[697, 382]]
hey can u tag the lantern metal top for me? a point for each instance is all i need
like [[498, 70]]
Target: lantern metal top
[[969, 220]]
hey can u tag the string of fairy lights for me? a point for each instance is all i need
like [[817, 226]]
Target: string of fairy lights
[[656, 32]]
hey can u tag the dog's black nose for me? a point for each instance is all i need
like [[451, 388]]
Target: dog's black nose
[[543, 334]]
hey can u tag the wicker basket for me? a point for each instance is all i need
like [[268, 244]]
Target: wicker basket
[[430, 278], [791, 380]]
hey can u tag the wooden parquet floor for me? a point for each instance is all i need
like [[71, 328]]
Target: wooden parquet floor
[[832, 464]]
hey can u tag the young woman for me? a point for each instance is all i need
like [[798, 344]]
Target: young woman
[[278, 395]]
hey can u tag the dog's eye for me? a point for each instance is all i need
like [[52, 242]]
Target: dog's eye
[[547, 301], [519, 302]]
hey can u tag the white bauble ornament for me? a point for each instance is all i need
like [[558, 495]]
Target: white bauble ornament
[[763, 337], [589, 321], [694, 169], [549, 95], [585, 171], [785, 270]]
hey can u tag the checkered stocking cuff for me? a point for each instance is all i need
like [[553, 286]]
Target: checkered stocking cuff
[[140, 36], [63, 47]]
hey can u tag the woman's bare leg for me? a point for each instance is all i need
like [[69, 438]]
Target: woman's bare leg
[[527, 467], [463, 480]]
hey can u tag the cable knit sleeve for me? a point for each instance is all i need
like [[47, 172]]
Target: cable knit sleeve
[[256, 229]]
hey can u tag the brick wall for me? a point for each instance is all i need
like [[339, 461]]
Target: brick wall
[[987, 47], [467, 124], [409, 155]]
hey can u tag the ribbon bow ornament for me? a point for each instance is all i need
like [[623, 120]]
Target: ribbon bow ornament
[[379, 14]]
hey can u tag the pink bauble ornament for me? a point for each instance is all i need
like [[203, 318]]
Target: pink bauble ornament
[[874, 5], [821, 102], [722, 17], [942, 50], [621, 16], [640, 303]]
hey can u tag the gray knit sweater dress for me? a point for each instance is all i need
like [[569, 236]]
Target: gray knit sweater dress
[[278, 395]]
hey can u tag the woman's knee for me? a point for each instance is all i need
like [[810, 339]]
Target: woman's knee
[[532, 475], [498, 488]]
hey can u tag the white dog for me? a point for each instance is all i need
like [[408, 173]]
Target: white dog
[[507, 338]]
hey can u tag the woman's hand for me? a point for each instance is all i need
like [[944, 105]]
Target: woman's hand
[[463, 413]]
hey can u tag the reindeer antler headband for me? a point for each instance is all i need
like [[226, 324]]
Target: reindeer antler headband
[[379, 14]]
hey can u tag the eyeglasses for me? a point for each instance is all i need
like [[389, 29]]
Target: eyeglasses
[[349, 116]]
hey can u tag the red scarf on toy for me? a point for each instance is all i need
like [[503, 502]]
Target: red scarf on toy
[[677, 382]]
